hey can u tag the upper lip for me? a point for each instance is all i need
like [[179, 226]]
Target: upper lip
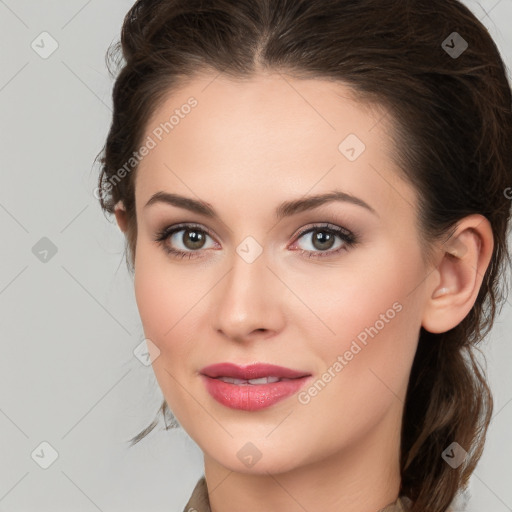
[[251, 371]]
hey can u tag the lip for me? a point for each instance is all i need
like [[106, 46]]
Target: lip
[[251, 397], [252, 371]]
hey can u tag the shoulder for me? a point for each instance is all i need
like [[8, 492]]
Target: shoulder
[[198, 501], [403, 504]]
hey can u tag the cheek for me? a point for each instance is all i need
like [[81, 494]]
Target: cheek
[[369, 315], [369, 284], [363, 369], [150, 296], [163, 311], [168, 299], [158, 294]]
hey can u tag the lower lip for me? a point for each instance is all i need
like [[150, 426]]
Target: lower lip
[[252, 397]]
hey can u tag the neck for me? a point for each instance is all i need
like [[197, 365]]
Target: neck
[[364, 477]]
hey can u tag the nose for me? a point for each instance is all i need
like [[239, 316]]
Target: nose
[[247, 303]]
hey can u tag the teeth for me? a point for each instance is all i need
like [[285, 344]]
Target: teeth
[[262, 380]]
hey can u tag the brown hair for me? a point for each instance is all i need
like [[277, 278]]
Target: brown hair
[[452, 127]]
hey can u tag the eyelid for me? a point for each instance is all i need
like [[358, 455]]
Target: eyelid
[[324, 225]]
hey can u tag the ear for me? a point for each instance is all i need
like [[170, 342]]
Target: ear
[[453, 287], [121, 218]]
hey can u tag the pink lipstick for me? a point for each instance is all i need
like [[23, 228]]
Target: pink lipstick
[[251, 387]]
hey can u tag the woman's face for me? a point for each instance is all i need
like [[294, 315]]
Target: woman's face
[[262, 286]]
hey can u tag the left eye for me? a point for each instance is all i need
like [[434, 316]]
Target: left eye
[[193, 240], [324, 239]]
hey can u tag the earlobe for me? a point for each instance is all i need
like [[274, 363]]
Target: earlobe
[[120, 213], [464, 261]]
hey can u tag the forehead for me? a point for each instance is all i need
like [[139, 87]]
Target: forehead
[[270, 138]]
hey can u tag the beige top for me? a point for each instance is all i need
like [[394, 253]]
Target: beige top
[[199, 501]]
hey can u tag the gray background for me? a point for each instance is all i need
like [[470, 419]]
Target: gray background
[[69, 326]]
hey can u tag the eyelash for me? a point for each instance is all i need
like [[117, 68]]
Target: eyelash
[[349, 239]]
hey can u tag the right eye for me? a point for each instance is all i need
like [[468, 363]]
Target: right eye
[[192, 235]]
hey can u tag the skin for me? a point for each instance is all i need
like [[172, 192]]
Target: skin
[[247, 147]]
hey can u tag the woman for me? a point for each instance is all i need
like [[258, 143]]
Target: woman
[[314, 198]]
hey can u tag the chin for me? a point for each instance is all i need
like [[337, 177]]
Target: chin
[[251, 457]]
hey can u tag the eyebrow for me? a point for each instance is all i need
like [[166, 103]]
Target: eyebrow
[[285, 209]]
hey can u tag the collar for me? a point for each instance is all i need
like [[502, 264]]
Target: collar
[[199, 501]]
